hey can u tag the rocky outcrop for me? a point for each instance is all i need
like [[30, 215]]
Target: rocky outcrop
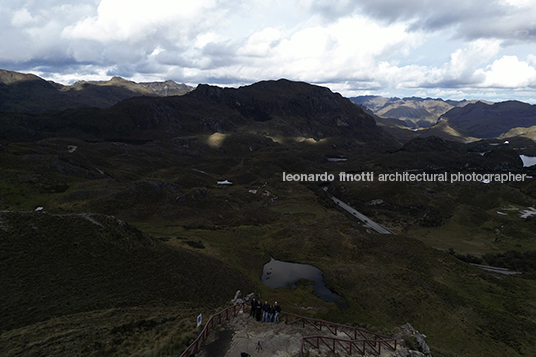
[[422, 346], [167, 88], [239, 300], [287, 108]]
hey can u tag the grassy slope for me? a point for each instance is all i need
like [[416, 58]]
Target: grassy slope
[[53, 266], [388, 281], [462, 216]]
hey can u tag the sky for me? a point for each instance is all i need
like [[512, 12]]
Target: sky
[[450, 49]]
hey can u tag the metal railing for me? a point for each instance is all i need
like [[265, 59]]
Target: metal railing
[[214, 320], [348, 346], [358, 338]]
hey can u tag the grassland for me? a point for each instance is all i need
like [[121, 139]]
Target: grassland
[[166, 194], [387, 280]]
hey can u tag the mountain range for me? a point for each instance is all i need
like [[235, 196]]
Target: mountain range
[[455, 120], [27, 94], [279, 109], [415, 112], [116, 232], [21, 92], [492, 120]]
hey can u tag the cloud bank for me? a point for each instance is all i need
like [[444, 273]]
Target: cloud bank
[[386, 47]]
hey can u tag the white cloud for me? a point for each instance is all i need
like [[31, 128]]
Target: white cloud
[[347, 49], [509, 72], [531, 59], [260, 44], [455, 94], [366, 45], [461, 69], [133, 20], [519, 3], [22, 17]]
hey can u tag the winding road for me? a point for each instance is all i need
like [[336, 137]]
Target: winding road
[[368, 222]]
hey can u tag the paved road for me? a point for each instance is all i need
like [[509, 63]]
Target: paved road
[[504, 271], [368, 222]]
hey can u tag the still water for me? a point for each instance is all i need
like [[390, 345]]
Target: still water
[[528, 160], [277, 274]]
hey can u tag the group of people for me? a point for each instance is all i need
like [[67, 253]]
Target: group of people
[[265, 312]]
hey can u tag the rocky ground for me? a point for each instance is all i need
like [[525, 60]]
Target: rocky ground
[[244, 335]]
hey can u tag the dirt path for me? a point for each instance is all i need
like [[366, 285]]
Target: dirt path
[[261, 339]]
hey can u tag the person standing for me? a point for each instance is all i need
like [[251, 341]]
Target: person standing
[[277, 310], [253, 308], [265, 311], [258, 311], [271, 314]]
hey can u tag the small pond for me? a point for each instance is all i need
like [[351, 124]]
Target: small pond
[[277, 274], [528, 160]]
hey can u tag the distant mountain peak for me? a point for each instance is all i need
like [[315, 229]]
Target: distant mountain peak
[[120, 80], [279, 108], [484, 120], [11, 77], [29, 93], [414, 111]]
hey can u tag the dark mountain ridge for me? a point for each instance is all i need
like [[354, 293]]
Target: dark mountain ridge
[[21, 92], [487, 121], [462, 121], [416, 112], [313, 111], [270, 108]]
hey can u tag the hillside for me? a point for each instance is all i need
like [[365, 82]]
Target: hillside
[[415, 112], [137, 237], [55, 266], [278, 109], [525, 132], [409, 118], [161, 89], [29, 93], [404, 134], [74, 263], [488, 121]]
